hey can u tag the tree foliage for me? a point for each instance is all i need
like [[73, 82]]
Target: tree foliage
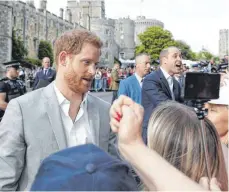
[[18, 49], [153, 40], [33, 61], [205, 55], [216, 60], [187, 53], [117, 61], [45, 50]]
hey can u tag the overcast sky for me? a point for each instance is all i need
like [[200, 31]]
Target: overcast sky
[[195, 21]]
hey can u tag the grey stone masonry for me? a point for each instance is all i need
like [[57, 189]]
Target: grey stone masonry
[[31, 24], [5, 31]]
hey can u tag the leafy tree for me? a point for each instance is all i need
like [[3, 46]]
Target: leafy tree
[[117, 61], [186, 50], [18, 49], [153, 40], [36, 62], [205, 55], [217, 60], [45, 50]]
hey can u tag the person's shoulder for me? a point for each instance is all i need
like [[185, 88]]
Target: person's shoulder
[[30, 97], [53, 70], [39, 72], [129, 80], [99, 102], [152, 76], [3, 84], [4, 79], [126, 79]]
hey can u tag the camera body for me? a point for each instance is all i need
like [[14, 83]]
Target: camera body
[[201, 86]]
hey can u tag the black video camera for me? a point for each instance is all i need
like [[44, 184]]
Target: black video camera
[[201, 86]]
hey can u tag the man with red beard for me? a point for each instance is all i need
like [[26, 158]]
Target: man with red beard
[[56, 117]]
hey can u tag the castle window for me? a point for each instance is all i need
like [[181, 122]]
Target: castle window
[[15, 21], [107, 31], [35, 44], [35, 27], [107, 56], [22, 23]]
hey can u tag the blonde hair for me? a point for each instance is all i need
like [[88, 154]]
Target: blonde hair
[[73, 41], [174, 133]]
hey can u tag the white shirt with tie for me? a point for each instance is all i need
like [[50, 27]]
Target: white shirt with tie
[[46, 71], [78, 132], [169, 79]]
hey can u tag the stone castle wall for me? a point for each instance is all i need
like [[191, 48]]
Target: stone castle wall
[[5, 31], [31, 24]]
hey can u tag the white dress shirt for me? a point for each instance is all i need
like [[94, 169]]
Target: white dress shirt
[[169, 80], [79, 132], [139, 79]]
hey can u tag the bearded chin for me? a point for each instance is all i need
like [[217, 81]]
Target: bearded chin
[[73, 82]]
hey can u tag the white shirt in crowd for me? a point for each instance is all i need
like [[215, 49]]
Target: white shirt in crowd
[[79, 132], [98, 75], [169, 80], [139, 79]]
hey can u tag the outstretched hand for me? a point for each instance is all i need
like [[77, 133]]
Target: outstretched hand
[[126, 120]]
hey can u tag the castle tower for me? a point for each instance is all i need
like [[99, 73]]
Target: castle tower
[[43, 5], [30, 2]]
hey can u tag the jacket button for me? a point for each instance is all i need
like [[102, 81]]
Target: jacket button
[[90, 168]]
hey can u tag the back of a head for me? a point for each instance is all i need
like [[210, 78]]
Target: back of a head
[[174, 133]]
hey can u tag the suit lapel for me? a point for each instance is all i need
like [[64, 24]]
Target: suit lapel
[[93, 118], [165, 82], [53, 113]]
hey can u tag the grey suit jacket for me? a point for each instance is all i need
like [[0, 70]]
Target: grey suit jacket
[[32, 129]]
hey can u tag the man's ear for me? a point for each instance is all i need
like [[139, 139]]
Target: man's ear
[[63, 58], [164, 60]]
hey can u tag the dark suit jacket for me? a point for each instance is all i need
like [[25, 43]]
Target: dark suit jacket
[[40, 76], [131, 88], [155, 90]]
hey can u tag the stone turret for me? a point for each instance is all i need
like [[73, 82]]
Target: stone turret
[[61, 13], [69, 15], [43, 5], [30, 2]]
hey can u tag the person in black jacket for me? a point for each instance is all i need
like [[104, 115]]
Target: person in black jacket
[[161, 85], [11, 87]]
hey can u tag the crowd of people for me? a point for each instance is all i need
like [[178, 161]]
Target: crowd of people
[[60, 137]]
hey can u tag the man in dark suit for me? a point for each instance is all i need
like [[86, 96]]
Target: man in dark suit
[[160, 85], [132, 86], [45, 76]]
